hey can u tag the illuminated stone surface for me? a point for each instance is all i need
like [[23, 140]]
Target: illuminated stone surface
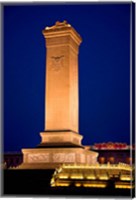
[[60, 141], [61, 137], [54, 157], [61, 103], [62, 44]]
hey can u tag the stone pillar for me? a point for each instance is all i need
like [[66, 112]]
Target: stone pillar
[[62, 44]]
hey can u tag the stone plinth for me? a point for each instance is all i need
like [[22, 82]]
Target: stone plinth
[[60, 137], [50, 158]]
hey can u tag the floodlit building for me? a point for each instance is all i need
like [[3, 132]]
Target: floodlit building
[[94, 176]]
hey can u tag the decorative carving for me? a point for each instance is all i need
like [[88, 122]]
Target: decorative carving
[[38, 157], [70, 157], [59, 25], [63, 157], [57, 62]]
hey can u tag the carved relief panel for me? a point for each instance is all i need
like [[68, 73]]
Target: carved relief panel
[[57, 62], [38, 157], [64, 157]]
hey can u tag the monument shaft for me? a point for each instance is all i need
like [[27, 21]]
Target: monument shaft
[[61, 110]]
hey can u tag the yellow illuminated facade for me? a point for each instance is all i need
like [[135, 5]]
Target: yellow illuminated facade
[[94, 176]]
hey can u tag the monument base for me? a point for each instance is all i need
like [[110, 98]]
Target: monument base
[[51, 158], [57, 148]]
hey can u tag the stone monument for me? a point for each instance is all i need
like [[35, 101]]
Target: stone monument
[[60, 141]]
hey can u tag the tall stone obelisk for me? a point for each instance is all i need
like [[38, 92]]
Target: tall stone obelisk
[[62, 44], [60, 140], [61, 110]]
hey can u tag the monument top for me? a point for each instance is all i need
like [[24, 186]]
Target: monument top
[[58, 25], [61, 28]]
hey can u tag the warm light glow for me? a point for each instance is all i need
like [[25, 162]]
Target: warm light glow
[[61, 176], [52, 180], [94, 185], [125, 178], [91, 177], [124, 186], [99, 166], [59, 170], [78, 176], [103, 178], [78, 184], [62, 184]]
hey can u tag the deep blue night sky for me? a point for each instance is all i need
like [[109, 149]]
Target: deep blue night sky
[[104, 65]]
